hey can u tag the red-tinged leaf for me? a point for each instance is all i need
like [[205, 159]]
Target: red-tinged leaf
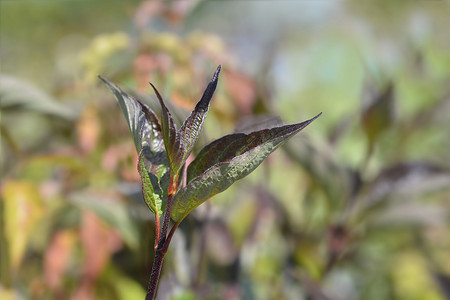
[[99, 242], [57, 257], [225, 161], [171, 136], [190, 129], [153, 165]]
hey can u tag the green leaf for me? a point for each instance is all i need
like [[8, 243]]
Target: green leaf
[[16, 94], [137, 114], [225, 161], [379, 115], [155, 180], [114, 213], [190, 129], [153, 165]]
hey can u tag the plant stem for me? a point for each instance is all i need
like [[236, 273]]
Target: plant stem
[[154, 277], [157, 231], [169, 237], [157, 264], [164, 241]]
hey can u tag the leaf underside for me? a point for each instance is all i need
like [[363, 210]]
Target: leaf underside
[[153, 165], [225, 161]]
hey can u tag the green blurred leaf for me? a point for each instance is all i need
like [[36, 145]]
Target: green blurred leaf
[[16, 94], [123, 286], [226, 160], [332, 178], [407, 180], [112, 212], [379, 115], [153, 165]]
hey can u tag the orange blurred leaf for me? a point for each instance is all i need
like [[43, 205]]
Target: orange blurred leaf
[[88, 129], [56, 258], [99, 241]]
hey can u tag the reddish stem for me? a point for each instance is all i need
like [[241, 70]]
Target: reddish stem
[[163, 241], [156, 270], [169, 237], [157, 231]]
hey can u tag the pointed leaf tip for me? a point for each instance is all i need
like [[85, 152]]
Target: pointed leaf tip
[[171, 136], [226, 160], [146, 131], [161, 101], [191, 127], [216, 74]]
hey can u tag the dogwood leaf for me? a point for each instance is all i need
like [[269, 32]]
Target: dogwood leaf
[[179, 143], [225, 161], [153, 165], [171, 136], [190, 129]]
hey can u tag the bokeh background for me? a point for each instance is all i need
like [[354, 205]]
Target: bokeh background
[[356, 207]]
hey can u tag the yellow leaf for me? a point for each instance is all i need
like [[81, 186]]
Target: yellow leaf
[[22, 209]]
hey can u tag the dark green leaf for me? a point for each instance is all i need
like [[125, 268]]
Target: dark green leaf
[[190, 129], [379, 115], [136, 113], [171, 136], [226, 160], [179, 143], [153, 165]]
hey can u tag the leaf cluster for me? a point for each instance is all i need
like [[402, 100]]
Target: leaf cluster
[[164, 148]]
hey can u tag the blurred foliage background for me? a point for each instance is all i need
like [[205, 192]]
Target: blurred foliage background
[[356, 207]]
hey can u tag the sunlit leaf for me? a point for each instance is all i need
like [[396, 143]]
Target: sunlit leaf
[[226, 160], [147, 134], [8, 294], [22, 210]]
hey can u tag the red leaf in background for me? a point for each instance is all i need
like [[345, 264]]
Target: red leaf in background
[[99, 242], [56, 258], [242, 90]]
